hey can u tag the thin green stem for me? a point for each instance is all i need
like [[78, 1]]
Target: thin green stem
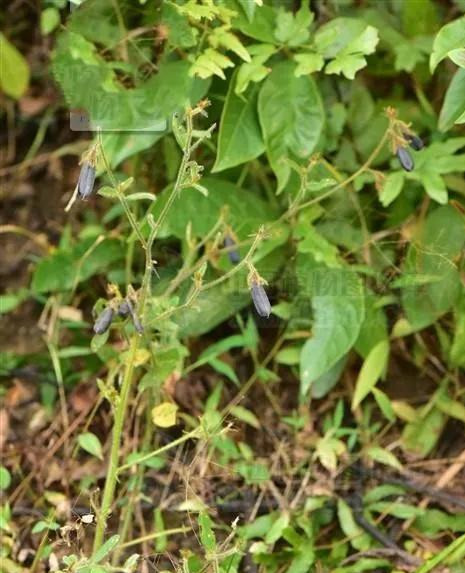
[[119, 193], [120, 414], [155, 535], [195, 433]]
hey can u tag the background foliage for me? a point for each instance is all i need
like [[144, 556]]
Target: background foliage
[[362, 357]]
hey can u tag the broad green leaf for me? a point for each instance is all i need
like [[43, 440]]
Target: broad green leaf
[[64, 268], [326, 382], [450, 37], [372, 369], [434, 186], [91, 444], [417, 22], [454, 102], [397, 509], [291, 116], [249, 8], [262, 25], [374, 326], [339, 308], [434, 249], [180, 33], [293, 29], [240, 138], [313, 243], [346, 36], [308, 63], [458, 57], [246, 211], [14, 70], [432, 521], [392, 186], [5, 478]]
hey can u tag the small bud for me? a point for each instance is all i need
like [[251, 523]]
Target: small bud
[[260, 300], [414, 141], [405, 158], [103, 321], [233, 255], [86, 180]]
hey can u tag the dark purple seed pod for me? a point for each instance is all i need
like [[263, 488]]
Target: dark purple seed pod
[[86, 180], [260, 300], [102, 324], [124, 309], [233, 255], [414, 141], [405, 158]]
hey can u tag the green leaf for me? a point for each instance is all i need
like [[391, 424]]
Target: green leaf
[[357, 537], [457, 350], [346, 64], [434, 186], [291, 29], [372, 369], [254, 71], [91, 444], [105, 549], [292, 117], [312, 242], [64, 268], [246, 211], [454, 102], [422, 435], [222, 37], [240, 138], [210, 63], [384, 404], [14, 70], [49, 20], [276, 530], [308, 63], [383, 456], [164, 415], [246, 416], [450, 37], [392, 187], [10, 301], [5, 478], [434, 248], [249, 8], [458, 57], [261, 27], [344, 36], [207, 535], [339, 308]]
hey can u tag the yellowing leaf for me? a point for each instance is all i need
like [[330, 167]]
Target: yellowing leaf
[[164, 415], [14, 70]]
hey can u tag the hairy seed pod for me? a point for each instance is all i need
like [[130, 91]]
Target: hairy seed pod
[[414, 141], [102, 324], [260, 300], [233, 255], [86, 180], [405, 159]]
